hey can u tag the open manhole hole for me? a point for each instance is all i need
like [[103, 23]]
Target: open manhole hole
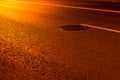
[[73, 27]]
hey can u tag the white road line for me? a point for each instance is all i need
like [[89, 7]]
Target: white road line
[[101, 28], [73, 7], [84, 8]]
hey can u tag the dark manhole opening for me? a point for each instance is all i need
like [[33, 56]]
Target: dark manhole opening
[[73, 27]]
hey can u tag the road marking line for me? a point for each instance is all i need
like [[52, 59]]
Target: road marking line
[[84, 8], [101, 28], [73, 7]]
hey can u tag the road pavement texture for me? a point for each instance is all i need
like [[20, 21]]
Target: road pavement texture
[[94, 4], [33, 47]]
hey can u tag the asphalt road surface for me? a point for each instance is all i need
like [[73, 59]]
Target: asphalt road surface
[[33, 47]]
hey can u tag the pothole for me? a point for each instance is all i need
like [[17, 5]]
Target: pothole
[[73, 27]]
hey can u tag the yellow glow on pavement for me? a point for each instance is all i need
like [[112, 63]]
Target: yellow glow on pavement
[[10, 4], [23, 12]]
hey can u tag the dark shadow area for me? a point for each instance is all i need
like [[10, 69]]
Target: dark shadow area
[[93, 4], [73, 27], [105, 5]]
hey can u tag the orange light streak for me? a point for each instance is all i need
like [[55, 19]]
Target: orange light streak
[[23, 12]]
